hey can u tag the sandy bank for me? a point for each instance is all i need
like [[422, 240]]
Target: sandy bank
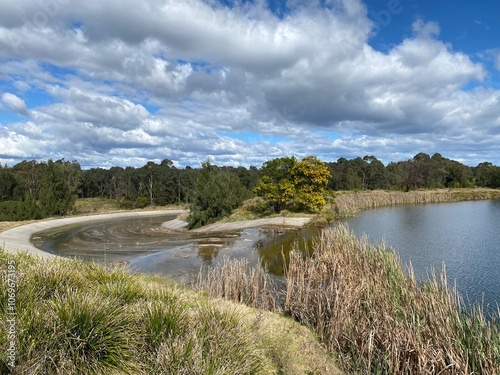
[[18, 239], [240, 225]]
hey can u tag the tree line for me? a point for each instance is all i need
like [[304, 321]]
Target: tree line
[[32, 190]]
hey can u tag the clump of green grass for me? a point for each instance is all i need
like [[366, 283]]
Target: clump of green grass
[[76, 317]]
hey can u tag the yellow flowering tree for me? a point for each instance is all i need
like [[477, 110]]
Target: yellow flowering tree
[[298, 185]]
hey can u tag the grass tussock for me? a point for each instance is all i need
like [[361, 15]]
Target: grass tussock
[[76, 317], [349, 203], [372, 316]]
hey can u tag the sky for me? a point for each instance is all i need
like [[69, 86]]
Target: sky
[[239, 82]]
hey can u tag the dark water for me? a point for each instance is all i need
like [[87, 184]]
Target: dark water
[[464, 235]]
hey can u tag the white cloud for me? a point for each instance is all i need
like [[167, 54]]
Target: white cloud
[[166, 78], [15, 103]]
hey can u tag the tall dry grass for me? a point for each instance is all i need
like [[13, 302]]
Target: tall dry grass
[[234, 280], [365, 308], [349, 203], [369, 313]]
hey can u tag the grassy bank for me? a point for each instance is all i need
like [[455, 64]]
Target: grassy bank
[[349, 203], [368, 312], [77, 317]]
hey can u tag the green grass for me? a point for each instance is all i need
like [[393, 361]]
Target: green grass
[[76, 317]]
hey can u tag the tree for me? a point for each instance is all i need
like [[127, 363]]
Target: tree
[[28, 175], [288, 183], [277, 183], [7, 184], [487, 175], [310, 176], [56, 197], [216, 194]]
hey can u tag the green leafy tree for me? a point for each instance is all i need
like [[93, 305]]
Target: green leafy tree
[[310, 177], [7, 183], [216, 194], [277, 183], [28, 176], [56, 197]]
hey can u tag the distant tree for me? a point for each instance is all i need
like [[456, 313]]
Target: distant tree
[[28, 175], [73, 173], [410, 174], [216, 194], [7, 183], [310, 176], [487, 175], [376, 174], [56, 197]]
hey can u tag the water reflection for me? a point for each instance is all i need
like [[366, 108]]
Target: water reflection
[[275, 249]]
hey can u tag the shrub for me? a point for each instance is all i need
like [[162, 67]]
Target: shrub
[[141, 202]]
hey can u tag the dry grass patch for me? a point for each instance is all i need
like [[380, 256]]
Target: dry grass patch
[[378, 320], [349, 203], [367, 312]]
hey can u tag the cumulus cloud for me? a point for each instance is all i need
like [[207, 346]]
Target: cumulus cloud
[[184, 80], [15, 103]]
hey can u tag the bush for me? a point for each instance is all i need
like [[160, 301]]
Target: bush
[[126, 204], [216, 195], [141, 202], [19, 210]]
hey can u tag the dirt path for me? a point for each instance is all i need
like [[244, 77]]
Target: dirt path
[[18, 239]]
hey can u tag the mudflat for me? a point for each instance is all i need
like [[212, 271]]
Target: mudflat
[[18, 239]]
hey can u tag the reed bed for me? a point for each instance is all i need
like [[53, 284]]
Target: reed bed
[[349, 203], [234, 280], [365, 308], [371, 315]]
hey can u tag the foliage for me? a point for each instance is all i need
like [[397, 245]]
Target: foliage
[[141, 202], [217, 193], [276, 184], [7, 184], [29, 183], [311, 177], [56, 197], [19, 210], [288, 183]]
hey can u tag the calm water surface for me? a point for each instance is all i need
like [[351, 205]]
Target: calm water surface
[[464, 235]]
